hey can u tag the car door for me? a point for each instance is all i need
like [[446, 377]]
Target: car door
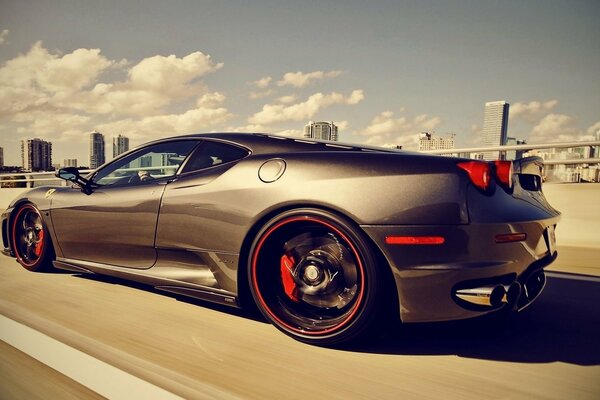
[[116, 223]]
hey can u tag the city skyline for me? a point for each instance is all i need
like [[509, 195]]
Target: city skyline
[[391, 70]]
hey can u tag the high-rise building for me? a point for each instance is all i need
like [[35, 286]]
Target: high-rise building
[[1, 157], [120, 145], [495, 127], [70, 162], [36, 155], [97, 157], [429, 141], [324, 130]]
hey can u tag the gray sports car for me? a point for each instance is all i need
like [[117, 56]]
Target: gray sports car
[[327, 240]]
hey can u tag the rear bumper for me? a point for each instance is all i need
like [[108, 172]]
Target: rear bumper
[[428, 276]]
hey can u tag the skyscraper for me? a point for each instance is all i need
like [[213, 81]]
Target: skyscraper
[[495, 127], [323, 130], [120, 145], [36, 155], [97, 157]]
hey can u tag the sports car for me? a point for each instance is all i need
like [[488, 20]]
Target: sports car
[[331, 242]]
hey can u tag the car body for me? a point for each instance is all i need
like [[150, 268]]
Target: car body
[[326, 239]]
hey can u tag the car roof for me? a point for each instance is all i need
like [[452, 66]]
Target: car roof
[[267, 143]]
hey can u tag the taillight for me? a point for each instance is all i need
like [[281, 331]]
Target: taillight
[[504, 173], [479, 173]]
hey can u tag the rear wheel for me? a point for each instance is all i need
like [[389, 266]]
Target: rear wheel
[[312, 274], [30, 239]]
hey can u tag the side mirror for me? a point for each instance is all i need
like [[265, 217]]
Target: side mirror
[[71, 174], [68, 174]]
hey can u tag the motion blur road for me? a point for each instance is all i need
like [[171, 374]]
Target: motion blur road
[[198, 350]]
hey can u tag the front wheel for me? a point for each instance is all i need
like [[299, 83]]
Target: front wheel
[[30, 239], [313, 275]]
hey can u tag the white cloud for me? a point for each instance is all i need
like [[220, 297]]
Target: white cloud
[[262, 82], [275, 113], [533, 111], [555, 128], [594, 130], [260, 95], [61, 97], [300, 79], [35, 78], [287, 99], [170, 75], [387, 129], [40, 79], [3, 36], [194, 120], [211, 100]]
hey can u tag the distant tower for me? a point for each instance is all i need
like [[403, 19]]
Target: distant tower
[[70, 162], [36, 155], [495, 127], [429, 141], [1, 157], [97, 157], [120, 145], [324, 130]]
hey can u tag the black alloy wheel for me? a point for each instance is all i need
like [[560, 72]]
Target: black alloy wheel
[[312, 274], [30, 239]]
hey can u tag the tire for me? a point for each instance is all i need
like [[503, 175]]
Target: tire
[[30, 239], [312, 274]]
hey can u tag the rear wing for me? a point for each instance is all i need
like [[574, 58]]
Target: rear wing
[[530, 172]]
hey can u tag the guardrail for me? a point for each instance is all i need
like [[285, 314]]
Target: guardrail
[[568, 170], [35, 179], [31, 179]]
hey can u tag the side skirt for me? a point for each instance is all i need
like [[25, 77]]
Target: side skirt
[[148, 278]]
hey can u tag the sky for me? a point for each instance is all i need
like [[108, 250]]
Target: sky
[[383, 71]]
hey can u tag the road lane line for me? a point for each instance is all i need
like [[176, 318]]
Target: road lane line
[[575, 277], [102, 378]]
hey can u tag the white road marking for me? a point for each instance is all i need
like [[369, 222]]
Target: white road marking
[[96, 375], [575, 277]]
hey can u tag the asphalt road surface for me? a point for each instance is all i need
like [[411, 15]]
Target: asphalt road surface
[[197, 350]]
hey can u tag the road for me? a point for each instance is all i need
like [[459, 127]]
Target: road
[[197, 350]]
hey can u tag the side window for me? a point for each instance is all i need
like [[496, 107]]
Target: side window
[[153, 162], [209, 154]]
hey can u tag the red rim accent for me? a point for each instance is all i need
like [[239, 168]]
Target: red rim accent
[[264, 304], [20, 258]]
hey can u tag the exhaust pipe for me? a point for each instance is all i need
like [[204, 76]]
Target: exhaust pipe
[[512, 293], [491, 296]]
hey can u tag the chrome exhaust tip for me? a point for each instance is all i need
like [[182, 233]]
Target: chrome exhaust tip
[[491, 296], [512, 293]]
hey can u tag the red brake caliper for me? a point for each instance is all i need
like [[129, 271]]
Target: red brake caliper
[[289, 285], [39, 245]]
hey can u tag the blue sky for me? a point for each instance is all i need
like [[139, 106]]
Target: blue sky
[[383, 70]]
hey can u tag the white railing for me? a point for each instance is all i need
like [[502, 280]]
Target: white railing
[[572, 170], [514, 147], [35, 179]]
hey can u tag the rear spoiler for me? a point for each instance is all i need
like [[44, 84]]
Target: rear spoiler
[[530, 172]]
